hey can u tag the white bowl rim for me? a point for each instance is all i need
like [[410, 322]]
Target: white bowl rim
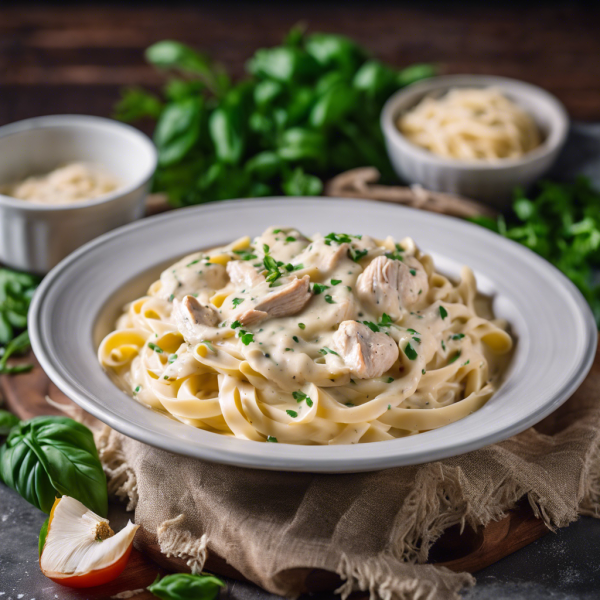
[[291, 462], [553, 141], [74, 120]]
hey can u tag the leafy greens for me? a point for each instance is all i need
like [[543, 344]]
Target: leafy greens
[[47, 457], [562, 224], [310, 110]]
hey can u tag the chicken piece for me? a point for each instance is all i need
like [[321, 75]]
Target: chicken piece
[[284, 301], [241, 272], [368, 354], [391, 285], [193, 319]]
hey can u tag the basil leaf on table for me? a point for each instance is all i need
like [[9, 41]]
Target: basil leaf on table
[[47, 457], [7, 422], [184, 586]]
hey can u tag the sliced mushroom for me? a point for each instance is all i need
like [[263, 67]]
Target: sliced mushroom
[[284, 301], [367, 354], [390, 285]]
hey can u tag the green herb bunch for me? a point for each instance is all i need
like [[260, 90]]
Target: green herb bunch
[[562, 224], [16, 292], [309, 110]]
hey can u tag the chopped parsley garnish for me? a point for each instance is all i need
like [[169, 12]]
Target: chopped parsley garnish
[[137, 388], [235, 325], [385, 320], [290, 267], [209, 345], [246, 337], [194, 262], [416, 339], [340, 238], [356, 255], [301, 396], [270, 438], [171, 297], [237, 301], [413, 272], [266, 248], [349, 403], [389, 407], [276, 230], [443, 346], [443, 312], [413, 331], [295, 338], [318, 288], [288, 350], [423, 371], [336, 281], [292, 413], [454, 358], [466, 363], [390, 379], [245, 254], [410, 352], [154, 347], [458, 336], [397, 254], [302, 325], [325, 350], [371, 326], [329, 299], [290, 238], [172, 358]]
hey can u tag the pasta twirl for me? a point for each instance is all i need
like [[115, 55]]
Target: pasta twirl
[[337, 339]]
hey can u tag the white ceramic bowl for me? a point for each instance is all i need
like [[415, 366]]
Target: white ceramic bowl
[[35, 237], [495, 182], [78, 303]]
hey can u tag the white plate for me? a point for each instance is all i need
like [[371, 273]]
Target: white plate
[[78, 302]]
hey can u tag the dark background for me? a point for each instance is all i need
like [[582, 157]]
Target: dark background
[[74, 57]]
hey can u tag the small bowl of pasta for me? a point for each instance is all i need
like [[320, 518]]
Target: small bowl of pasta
[[473, 135]]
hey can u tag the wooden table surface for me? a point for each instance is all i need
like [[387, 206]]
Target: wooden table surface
[[74, 59]]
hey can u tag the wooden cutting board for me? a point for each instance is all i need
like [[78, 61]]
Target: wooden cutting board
[[25, 395]]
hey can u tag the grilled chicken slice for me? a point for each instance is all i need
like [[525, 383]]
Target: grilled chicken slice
[[241, 272], [390, 285], [368, 354], [193, 319], [284, 301]]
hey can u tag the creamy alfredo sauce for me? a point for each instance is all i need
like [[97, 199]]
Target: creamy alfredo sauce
[[334, 339]]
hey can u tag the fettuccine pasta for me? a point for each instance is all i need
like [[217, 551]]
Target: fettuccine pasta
[[471, 124], [337, 339]]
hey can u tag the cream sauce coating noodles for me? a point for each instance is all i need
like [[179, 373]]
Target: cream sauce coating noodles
[[471, 124], [336, 339]]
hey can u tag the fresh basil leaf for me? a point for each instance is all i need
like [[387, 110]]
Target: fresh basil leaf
[[285, 64], [6, 330], [299, 183], [264, 165], [51, 456], [185, 586], [333, 106], [302, 144], [177, 130], [226, 134], [335, 51], [136, 104], [7, 422], [43, 536], [169, 54], [415, 73]]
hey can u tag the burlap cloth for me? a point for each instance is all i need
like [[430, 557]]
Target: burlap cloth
[[373, 529]]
